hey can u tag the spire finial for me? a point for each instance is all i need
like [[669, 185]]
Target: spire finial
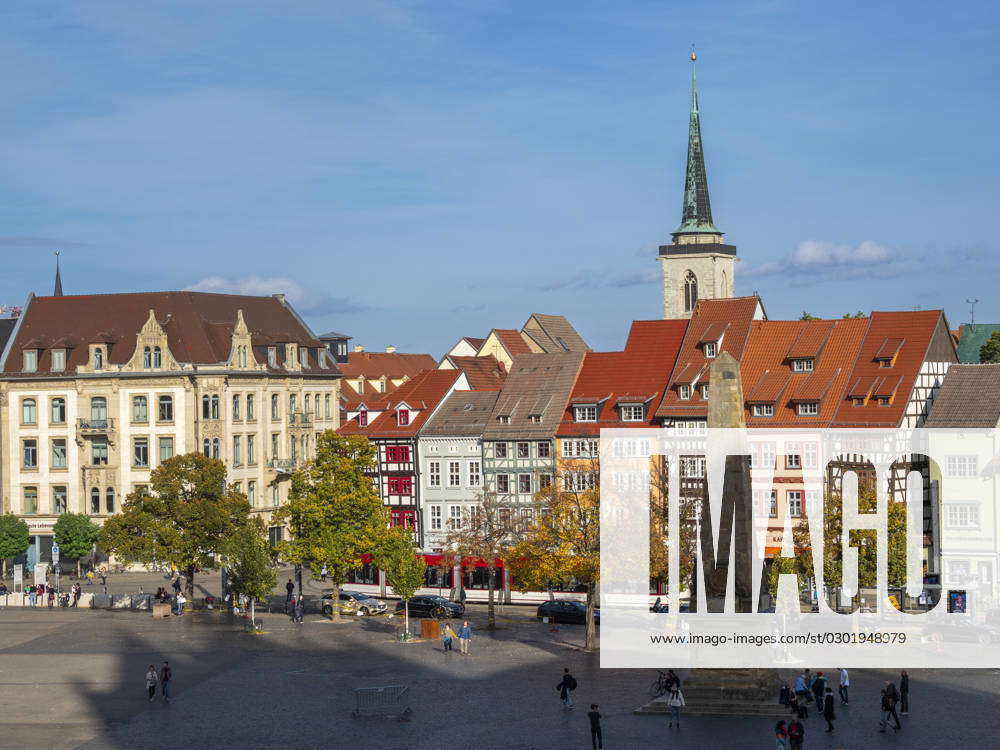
[[57, 290]]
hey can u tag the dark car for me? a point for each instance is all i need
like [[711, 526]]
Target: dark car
[[564, 611], [432, 606]]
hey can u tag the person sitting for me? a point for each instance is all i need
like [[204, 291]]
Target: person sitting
[[3, 589]]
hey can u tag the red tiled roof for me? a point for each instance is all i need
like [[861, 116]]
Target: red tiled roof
[[512, 341], [713, 332], [473, 342], [390, 364], [421, 394], [483, 373], [810, 341], [890, 347], [769, 387]]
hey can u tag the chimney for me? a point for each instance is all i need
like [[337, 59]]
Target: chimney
[[390, 349], [358, 348]]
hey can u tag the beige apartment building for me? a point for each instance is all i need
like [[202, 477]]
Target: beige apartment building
[[97, 390]]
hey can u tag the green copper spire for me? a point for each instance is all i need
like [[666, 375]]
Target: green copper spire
[[696, 217]]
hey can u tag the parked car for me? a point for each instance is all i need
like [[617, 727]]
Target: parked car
[[354, 603], [432, 606], [565, 611]]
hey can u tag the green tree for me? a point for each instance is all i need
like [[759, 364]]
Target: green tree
[[14, 539], [858, 314], [250, 558], [404, 569], [333, 512], [76, 535], [185, 519], [807, 316], [989, 352]]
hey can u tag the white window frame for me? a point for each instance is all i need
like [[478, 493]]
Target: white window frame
[[804, 364], [794, 500], [961, 465], [433, 473], [684, 392], [633, 413], [454, 474], [435, 517], [762, 410], [585, 413], [807, 408], [475, 474], [711, 349]]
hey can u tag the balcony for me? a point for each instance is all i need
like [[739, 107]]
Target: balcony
[[300, 419], [95, 426], [283, 465]]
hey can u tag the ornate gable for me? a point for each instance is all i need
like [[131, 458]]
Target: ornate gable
[[151, 350], [241, 352]]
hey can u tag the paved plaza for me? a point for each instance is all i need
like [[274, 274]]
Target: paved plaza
[[75, 679]]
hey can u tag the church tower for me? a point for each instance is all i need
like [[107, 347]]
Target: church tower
[[697, 264]]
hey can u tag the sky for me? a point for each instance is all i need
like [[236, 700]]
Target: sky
[[412, 172]]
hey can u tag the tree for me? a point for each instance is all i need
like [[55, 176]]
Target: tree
[[563, 541], [487, 533], [807, 316], [76, 535], [659, 526], [14, 539], [185, 519], [989, 352], [252, 571], [404, 569], [858, 314], [333, 511]]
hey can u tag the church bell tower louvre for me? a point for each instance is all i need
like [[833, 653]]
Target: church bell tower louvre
[[697, 264]]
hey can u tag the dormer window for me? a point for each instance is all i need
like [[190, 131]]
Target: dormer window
[[711, 349], [585, 413], [147, 358], [762, 410], [808, 409], [684, 392], [272, 356], [503, 418], [29, 360], [58, 360], [633, 413], [304, 357], [157, 358], [535, 418], [98, 358], [858, 401], [885, 363], [363, 418], [402, 417], [704, 391], [883, 400], [805, 364]]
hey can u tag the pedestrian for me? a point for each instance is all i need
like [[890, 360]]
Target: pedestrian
[[904, 693], [104, 576], [465, 637], [448, 636], [673, 681], [784, 694], [802, 688], [797, 709], [676, 702], [323, 574], [819, 690], [300, 609], [177, 585], [32, 595], [166, 675], [52, 595], [151, 680], [90, 577], [780, 735], [828, 712], [596, 738], [796, 734], [565, 687], [289, 590], [889, 698], [76, 593], [179, 603], [845, 682]]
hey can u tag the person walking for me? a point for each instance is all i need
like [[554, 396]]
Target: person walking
[[289, 591], [828, 712], [104, 576], [51, 590], [889, 698], [904, 693], [596, 738], [676, 702], [151, 680], [300, 609], [166, 675], [819, 690], [802, 687], [323, 574], [177, 585], [179, 603], [465, 637], [845, 683], [566, 687], [780, 735], [448, 637], [796, 734], [75, 588]]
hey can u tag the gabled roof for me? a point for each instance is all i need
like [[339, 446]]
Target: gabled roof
[[553, 334], [973, 336], [811, 339], [394, 365], [463, 414], [736, 314], [538, 384], [482, 372], [421, 394], [473, 342], [969, 397], [512, 341], [198, 325]]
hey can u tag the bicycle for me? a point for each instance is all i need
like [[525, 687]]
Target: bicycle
[[660, 685]]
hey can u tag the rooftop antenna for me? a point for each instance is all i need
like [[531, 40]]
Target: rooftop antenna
[[972, 302]]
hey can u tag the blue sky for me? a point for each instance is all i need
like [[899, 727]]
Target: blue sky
[[413, 172]]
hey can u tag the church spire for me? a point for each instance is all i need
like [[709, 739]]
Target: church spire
[[696, 216], [57, 290]]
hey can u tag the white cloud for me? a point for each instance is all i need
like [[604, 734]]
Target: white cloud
[[303, 299], [831, 261]]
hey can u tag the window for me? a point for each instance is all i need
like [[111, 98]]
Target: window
[[503, 418], [99, 452], [704, 391], [810, 455], [580, 448], [109, 499], [363, 418], [802, 365], [885, 363], [808, 408], [405, 518], [140, 452], [251, 449], [633, 413], [544, 481], [402, 417], [400, 486], [455, 516], [275, 407], [166, 448], [524, 484], [523, 450], [762, 410], [585, 413], [435, 517], [250, 414], [794, 498], [140, 410], [579, 481], [693, 467], [157, 358], [812, 503], [962, 466], [206, 407], [962, 515], [252, 492], [59, 453], [237, 450], [272, 357], [29, 360], [293, 404], [58, 500], [397, 453], [327, 409], [29, 451], [501, 450], [58, 360], [545, 449], [772, 509], [165, 409], [275, 446], [236, 407], [29, 411], [30, 500], [711, 349], [883, 400], [690, 291], [215, 407], [304, 357], [683, 392], [475, 475], [147, 357], [57, 411], [98, 358], [206, 448], [535, 418], [857, 400], [217, 448], [95, 501], [454, 474], [793, 461], [503, 483], [434, 470], [308, 401]]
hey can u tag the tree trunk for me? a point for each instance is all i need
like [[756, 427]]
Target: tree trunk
[[253, 621], [492, 621], [589, 643], [406, 618], [78, 567], [336, 601], [190, 584]]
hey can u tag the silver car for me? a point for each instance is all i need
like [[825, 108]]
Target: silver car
[[354, 603]]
